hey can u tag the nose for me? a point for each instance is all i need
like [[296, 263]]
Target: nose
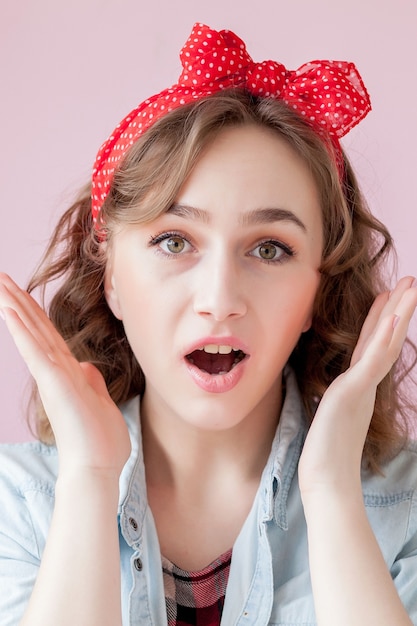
[[220, 289]]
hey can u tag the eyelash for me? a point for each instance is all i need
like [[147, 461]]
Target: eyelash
[[287, 250], [157, 239]]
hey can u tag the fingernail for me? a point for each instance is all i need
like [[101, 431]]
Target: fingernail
[[414, 283], [2, 315], [395, 320]]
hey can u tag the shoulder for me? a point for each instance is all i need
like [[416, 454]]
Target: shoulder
[[398, 476], [34, 465], [391, 503], [28, 466], [27, 487]]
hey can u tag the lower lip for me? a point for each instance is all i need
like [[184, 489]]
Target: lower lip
[[216, 383]]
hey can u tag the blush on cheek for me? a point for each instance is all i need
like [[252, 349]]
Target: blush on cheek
[[309, 297], [301, 315], [110, 293], [308, 323]]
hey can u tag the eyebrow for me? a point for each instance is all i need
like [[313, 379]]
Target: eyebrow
[[256, 216], [267, 216], [189, 212]]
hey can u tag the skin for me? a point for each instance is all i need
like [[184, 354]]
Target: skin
[[217, 286], [329, 474]]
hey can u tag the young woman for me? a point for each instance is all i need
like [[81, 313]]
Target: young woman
[[221, 433]]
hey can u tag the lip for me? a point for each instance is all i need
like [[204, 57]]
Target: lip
[[228, 340], [217, 383]]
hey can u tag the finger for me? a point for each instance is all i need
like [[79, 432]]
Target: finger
[[32, 315], [405, 283], [369, 326], [386, 342], [94, 378], [59, 383], [13, 296], [384, 305], [27, 315], [404, 312], [34, 354]]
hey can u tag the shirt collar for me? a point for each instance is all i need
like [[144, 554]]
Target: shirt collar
[[276, 478], [132, 483], [285, 453]]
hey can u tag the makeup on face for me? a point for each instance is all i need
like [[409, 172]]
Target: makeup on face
[[215, 293]]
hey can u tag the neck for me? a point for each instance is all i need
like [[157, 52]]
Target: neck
[[179, 454]]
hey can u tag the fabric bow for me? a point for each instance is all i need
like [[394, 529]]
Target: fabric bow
[[330, 95]]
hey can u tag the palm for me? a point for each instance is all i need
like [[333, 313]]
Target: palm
[[332, 454], [88, 427]]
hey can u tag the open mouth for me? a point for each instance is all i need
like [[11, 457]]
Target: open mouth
[[215, 359]]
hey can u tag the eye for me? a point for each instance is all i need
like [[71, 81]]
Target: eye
[[171, 243], [268, 251], [272, 251], [174, 244]]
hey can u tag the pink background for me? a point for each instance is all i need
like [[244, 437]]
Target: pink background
[[71, 70]]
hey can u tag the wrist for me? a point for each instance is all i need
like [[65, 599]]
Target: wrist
[[331, 502], [94, 485]]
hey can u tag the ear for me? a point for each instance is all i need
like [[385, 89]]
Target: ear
[[110, 293]]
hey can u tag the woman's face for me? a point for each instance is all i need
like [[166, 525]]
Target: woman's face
[[215, 293]]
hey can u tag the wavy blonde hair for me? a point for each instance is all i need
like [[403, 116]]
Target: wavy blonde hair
[[146, 184]]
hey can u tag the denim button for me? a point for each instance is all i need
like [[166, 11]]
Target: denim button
[[138, 564], [133, 523]]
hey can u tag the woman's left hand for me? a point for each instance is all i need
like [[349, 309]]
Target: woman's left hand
[[331, 459]]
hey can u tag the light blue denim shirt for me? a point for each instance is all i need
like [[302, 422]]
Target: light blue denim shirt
[[269, 577]]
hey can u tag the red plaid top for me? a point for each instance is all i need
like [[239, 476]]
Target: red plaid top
[[196, 598]]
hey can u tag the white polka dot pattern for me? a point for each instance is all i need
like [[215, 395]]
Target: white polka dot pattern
[[330, 95]]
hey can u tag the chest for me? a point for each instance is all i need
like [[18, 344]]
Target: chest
[[268, 580], [194, 532]]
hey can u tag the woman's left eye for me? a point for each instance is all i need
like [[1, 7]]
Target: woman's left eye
[[272, 251]]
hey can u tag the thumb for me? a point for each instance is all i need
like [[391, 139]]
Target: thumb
[[94, 378]]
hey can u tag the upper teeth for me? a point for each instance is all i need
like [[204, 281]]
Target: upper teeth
[[213, 348]]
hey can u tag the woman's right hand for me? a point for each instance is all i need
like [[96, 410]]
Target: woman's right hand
[[89, 429]]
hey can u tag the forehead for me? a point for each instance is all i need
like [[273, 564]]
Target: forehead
[[252, 148], [251, 167]]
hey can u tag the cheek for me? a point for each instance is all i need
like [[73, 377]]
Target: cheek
[[309, 305], [300, 304], [111, 295], [145, 313]]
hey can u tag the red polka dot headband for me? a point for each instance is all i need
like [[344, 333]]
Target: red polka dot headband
[[329, 94]]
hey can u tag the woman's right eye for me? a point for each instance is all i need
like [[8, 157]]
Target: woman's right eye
[[174, 244], [171, 243]]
